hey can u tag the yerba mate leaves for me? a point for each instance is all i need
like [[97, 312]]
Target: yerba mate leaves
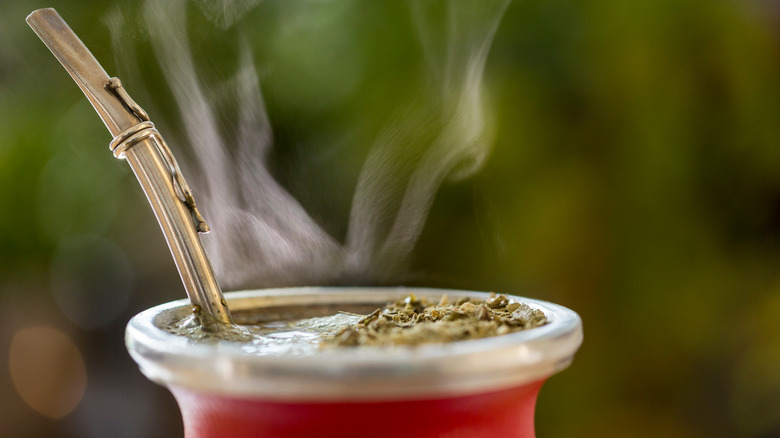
[[413, 321]]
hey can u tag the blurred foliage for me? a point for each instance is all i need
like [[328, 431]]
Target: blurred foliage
[[635, 178]]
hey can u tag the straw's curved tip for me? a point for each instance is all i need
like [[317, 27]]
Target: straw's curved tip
[[38, 12]]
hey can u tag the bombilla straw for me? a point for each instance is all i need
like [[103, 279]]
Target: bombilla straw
[[137, 141]]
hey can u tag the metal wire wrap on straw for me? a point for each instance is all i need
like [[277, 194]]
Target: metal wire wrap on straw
[[131, 136]]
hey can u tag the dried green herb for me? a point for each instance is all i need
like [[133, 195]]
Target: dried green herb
[[413, 321]]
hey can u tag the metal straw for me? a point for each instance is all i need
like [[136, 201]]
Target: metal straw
[[137, 141]]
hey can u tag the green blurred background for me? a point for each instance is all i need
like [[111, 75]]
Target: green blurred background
[[634, 177]]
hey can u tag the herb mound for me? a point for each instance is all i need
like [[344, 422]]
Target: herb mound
[[413, 321]]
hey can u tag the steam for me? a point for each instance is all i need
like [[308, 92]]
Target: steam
[[225, 12], [461, 139], [263, 236]]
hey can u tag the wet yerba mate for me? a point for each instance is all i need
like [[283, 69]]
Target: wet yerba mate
[[409, 321]]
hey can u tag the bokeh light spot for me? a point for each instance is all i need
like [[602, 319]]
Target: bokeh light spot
[[47, 370]]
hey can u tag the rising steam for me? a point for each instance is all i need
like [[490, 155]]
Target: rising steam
[[263, 236]]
